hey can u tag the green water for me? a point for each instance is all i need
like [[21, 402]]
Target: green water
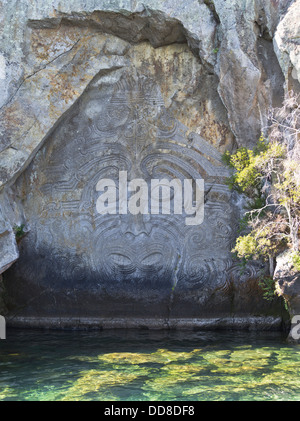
[[148, 366]]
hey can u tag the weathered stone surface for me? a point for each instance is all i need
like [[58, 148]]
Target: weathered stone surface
[[287, 46], [8, 247], [251, 79], [288, 286], [47, 93]]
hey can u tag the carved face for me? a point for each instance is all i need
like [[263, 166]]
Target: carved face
[[131, 132], [137, 258]]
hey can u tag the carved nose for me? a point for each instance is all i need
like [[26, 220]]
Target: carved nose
[[136, 225]]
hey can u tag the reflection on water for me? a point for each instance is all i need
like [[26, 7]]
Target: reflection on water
[[148, 365]]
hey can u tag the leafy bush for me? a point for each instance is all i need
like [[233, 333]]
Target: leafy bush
[[19, 231], [267, 284], [269, 176], [296, 261]]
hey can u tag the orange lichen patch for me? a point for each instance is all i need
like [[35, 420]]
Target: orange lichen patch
[[203, 122], [48, 43], [63, 87], [174, 67], [66, 84]]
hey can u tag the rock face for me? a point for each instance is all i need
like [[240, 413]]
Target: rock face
[[156, 89], [288, 286], [9, 250], [286, 45]]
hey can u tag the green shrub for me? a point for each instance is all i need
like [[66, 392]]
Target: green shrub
[[19, 231]]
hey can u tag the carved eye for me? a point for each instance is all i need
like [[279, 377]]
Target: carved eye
[[152, 259], [119, 112], [120, 259]]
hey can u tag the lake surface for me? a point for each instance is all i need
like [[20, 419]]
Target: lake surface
[[134, 365]]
